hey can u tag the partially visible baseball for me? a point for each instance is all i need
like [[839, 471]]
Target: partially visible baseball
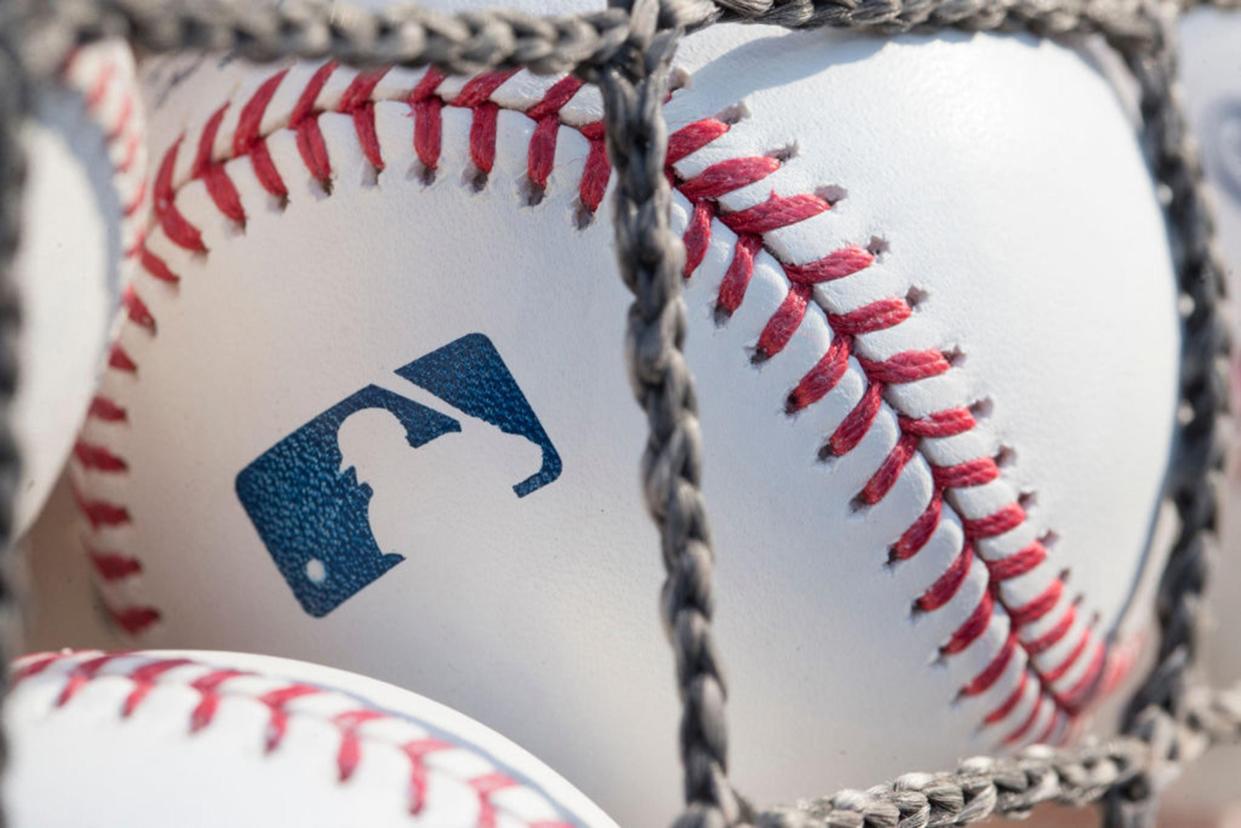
[[153, 739], [85, 169], [1211, 71], [1211, 75], [370, 407]]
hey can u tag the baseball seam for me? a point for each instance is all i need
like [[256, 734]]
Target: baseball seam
[[355, 725], [103, 76], [1049, 662]]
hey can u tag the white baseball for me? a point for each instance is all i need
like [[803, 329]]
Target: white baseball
[[151, 739], [1211, 74], [933, 326], [86, 162]]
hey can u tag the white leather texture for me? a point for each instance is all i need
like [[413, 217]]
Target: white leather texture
[[86, 167], [994, 182], [204, 739]]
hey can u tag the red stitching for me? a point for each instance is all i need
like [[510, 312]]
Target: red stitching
[[219, 186], [145, 678], [247, 141], [704, 189], [992, 672], [136, 310], [134, 620], [357, 102], [277, 705], [217, 685], [83, 672], [155, 266], [121, 127], [120, 360], [97, 457], [101, 513], [774, 213], [175, 225], [1052, 637], [1007, 706], [417, 752], [208, 687], [945, 588], [1020, 734], [113, 566], [99, 88], [427, 127], [102, 408]]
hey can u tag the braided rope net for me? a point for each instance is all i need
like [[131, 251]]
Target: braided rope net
[[626, 50]]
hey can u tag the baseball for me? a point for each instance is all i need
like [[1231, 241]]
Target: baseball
[[85, 168], [150, 739], [369, 405]]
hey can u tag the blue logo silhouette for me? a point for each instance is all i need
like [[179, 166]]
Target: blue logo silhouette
[[313, 516]]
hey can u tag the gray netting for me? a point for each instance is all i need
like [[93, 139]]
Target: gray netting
[[626, 50]]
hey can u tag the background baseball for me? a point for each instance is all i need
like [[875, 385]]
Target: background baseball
[[208, 739], [357, 274], [1211, 68], [86, 162]]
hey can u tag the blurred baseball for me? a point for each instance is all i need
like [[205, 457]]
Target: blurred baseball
[[151, 739]]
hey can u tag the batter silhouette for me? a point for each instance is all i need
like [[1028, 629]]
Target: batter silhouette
[[310, 496]]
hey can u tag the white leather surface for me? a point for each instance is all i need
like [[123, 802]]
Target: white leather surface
[[1005, 180], [78, 760], [69, 261]]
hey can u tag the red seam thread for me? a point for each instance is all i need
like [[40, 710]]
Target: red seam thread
[[212, 689], [113, 566]]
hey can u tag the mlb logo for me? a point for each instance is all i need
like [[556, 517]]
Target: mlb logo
[[304, 495]]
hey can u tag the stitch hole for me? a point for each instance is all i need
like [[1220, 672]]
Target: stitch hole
[[982, 409], [877, 246], [833, 194], [734, 114], [1027, 500], [784, 154], [370, 177], [421, 173], [583, 216], [678, 79], [954, 356], [915, 297], [532, 194], [1005, 457], [720, 315], [475, 179], [1048, 539]]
